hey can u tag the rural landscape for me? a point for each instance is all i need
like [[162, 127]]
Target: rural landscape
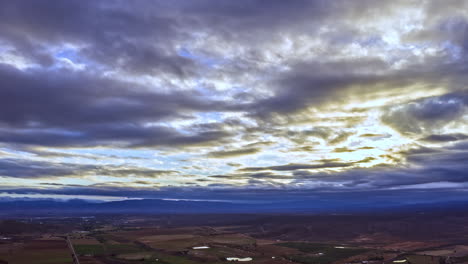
[[416, 238], [234, 131]]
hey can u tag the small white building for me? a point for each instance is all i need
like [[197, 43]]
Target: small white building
[[239, 259], [201, 247]]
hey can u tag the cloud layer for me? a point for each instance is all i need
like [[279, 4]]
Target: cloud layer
[[316, 95]]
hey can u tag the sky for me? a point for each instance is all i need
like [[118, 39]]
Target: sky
[[227, 99]]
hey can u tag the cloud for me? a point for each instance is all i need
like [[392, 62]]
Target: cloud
[[293, 166], [445, 138], [424, 166], [110, 35], [371, 135], [62, 97], [33, 169], [266, 176], [316, 95], [22, 168], [343, 149], [62, 108], [232, 153], [427, 115]]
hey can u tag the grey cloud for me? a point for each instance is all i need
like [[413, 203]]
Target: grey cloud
[[22, 168], [60, 184], [234, 164], [445, 137], [293, 167], [62, 97], [130, 136], [427, 115], [143, 36], [331, 135], [33, 169], [67, 108], [314, 84], [133, 171], [130, 29], [233, 153], [113, 34], [444, 25], [45, 153], [47, 106], [303, 149], [251, 176], [318, 84], [425, 166]]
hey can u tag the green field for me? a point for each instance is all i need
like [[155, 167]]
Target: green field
[[106, 249], [330, 253], [92, 250]]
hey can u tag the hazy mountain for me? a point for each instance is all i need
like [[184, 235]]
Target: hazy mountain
[[159, 206]]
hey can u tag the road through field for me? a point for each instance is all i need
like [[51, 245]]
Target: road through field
[[72, 249]]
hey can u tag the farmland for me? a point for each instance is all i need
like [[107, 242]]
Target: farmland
[[41, 251], [154, 240]]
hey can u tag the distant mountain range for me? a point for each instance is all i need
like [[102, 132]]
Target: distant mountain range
[[160, 206]]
